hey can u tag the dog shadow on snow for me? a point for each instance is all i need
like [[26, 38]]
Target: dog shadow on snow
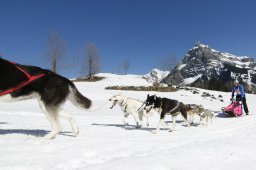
[[123, 126], [144, 128], [3, 123], [30, 132]]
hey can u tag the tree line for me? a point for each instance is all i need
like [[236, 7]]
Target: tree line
[[91, 61]]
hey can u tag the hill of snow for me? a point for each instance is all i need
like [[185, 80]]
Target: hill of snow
[[104, 143]]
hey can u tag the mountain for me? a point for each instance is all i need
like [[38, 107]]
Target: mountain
[[156, 75], [207, 68]]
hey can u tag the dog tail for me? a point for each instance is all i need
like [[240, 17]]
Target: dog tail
[[77, 98]]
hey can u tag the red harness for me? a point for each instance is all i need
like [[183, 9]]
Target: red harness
[[30, 79]]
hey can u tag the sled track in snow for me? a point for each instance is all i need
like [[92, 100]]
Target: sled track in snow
[[235, 125]]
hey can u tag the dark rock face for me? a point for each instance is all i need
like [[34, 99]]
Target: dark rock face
[[207, 68]]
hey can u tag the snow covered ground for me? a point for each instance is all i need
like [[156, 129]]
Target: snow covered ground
[[104, 143]]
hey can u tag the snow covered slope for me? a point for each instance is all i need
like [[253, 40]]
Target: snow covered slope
[[105, 144]]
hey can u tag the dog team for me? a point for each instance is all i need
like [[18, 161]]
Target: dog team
[[21, 82], [163, 106]]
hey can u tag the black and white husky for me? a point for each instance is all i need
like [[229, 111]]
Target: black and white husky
[[165, 107], [132, 107], [51, 90]]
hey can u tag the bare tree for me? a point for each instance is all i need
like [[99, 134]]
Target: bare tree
[[92, 60], [126, 66], [55, 52], [169, 62]]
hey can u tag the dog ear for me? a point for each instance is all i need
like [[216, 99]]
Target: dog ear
[[148, 96]]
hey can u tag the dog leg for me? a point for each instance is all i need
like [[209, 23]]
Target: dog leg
[[187, 122], [206, 121], [147, 122], [191, 118], [53, 118], [165, 125], [201, 121], [125, 118], [68, 116], [140, 117], [173, 124], [158, 126], [138, 125], [146, 116]]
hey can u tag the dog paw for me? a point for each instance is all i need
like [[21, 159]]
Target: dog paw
[[138, 127], [126, 124], [76, 133], [48, 137], [154, 132]]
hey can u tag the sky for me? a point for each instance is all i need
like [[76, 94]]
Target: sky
[[142, 32]]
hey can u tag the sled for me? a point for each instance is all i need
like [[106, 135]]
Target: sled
[[235, 109]]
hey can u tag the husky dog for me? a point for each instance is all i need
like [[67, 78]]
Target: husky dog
[[205, 117], [132, 107], [196, 110], [165, 107], [204, 114], [50, 89]]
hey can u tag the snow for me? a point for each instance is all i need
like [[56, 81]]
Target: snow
[[191, 79], [181, 66], [105, 144], [230, 58], [156, 75]]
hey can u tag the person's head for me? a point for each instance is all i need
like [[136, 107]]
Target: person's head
[[236, 83]]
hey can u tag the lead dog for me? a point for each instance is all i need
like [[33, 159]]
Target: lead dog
[[51, 90], [165, 107], [132, 107]]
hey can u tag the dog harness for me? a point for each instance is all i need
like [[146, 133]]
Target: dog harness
[[30, 79], [125, 104], [178, 104]]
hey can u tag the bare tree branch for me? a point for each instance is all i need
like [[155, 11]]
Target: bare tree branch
[[169, 63], [126, 66], [55, 52], [92, 62]]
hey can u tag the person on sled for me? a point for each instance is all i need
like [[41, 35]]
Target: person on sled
[[238, 89]]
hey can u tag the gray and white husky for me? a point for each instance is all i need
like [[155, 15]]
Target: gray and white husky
[[205, 115], [132, 107]]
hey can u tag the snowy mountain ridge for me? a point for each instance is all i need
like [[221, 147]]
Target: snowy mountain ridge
[[155, 75], [203, 64]]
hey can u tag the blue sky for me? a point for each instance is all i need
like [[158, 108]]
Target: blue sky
[[144, 32]]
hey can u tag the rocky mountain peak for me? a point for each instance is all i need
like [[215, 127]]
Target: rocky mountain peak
[[203, 65]]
